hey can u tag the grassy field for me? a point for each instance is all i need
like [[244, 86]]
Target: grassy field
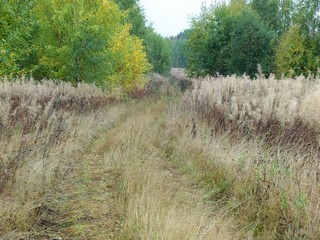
[[264, 137], [44, 130], [227, 158]]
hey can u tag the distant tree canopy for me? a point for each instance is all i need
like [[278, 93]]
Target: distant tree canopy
[[228, 39], [158, 52], [106, 42], [178, 44], [280, 35], [157, 48], [16, 31], [134, 15], [110, 43]]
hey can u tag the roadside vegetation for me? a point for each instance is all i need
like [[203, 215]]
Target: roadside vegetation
[[256, 147], [44, 129], [222, 161], [117, 145], [78, 164], [108, 43]]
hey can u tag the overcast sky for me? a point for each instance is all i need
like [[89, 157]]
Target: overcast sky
[[169, 17]]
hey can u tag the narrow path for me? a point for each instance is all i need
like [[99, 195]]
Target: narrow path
[[126, 188]]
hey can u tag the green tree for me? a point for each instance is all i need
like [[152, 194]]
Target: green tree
[[197, 46], [291, 54], [276, 14], [134, 15], [16, 29], [228, 39], [157, 48], [73, 39], [131, 61], [307, 15], [268, 10], [250, 45], [82, 41], [178, 44], [286, 15], [158, 52]]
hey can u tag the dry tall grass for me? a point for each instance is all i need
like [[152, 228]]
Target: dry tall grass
[[120, 187], [180, 76], [252, 146], [127, 189], [258, 150], [44, 128], [285, 111], [157, 201], [157, 87]]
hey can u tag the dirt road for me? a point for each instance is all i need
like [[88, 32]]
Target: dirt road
[[126, 187]]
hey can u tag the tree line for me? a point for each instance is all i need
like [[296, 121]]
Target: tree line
[[106, 42], [233, 38]]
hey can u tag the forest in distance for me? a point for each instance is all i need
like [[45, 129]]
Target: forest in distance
[[280, 35], [80, 41]]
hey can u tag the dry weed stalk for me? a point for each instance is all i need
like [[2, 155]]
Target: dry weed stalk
[[283, 112], [179, 74], [43, 129], [275, 185]]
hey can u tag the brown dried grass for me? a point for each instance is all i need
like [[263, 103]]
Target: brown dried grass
[[258, 143], [280, 111], [44, 128]]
